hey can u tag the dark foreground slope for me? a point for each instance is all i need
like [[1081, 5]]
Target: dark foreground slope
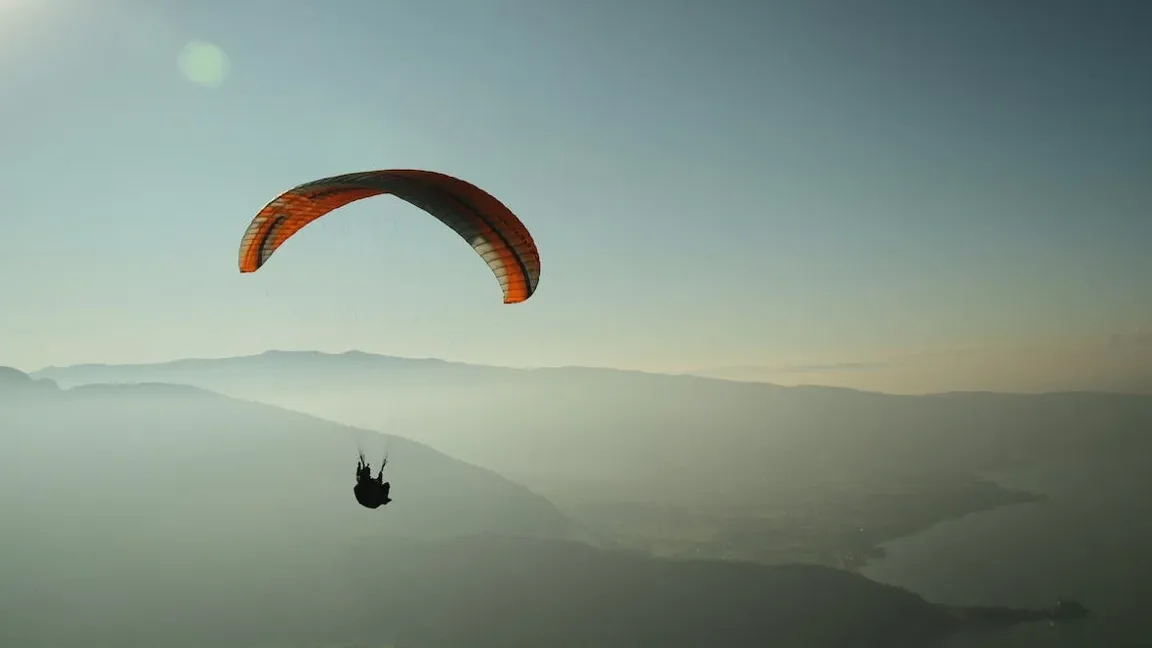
[[501, 593]]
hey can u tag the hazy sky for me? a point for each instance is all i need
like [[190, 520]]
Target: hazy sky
[[710, 183]]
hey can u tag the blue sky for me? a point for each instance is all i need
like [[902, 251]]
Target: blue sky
[[710, 184]]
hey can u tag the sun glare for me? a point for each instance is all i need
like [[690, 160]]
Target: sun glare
[[17, 15], [204, 63]]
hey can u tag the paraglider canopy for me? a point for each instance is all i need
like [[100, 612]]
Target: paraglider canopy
[[493, 231]]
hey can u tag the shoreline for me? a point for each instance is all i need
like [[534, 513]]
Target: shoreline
[[837, 527]]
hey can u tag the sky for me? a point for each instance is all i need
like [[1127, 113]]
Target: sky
[[722, 184]]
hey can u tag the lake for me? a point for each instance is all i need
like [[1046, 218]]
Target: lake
[[1091, 541]]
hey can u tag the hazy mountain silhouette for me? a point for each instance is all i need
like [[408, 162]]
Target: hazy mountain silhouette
[[171, 507], [689, 466], [498, 592], [1117, 363], [633, 435], [192, 518], [15, 382], [192, 458]]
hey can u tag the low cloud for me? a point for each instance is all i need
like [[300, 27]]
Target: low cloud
[[1138, 340], [1119, 362], [840, 366]]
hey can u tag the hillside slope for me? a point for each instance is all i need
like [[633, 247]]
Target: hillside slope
[[191, 457], [636, 435], [500, 592]]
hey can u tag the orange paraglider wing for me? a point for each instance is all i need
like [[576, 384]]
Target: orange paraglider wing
[[493, 231]]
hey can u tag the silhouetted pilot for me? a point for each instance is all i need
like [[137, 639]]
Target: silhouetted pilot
[[371, 493]]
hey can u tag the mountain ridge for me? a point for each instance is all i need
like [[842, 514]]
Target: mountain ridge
[[306, 355], [742, 465], [102, 413]]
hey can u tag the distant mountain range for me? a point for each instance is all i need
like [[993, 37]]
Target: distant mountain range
[[683, 465], [1119, 363], [571, 432], [161, 514]]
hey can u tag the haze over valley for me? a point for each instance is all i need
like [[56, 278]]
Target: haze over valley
[[552, 324]]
